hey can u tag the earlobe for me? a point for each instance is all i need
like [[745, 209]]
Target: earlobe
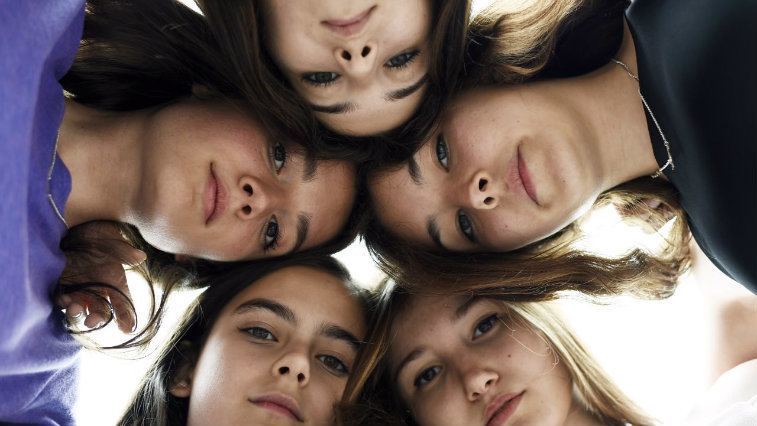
[[181, 382]]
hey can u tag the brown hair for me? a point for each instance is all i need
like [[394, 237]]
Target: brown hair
[[508, 47], [239, 27], [371, 399], [153, 403], [137, 54]]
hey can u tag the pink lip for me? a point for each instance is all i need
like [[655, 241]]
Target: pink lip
[[281, 404], [525, 178], [499, 410], [216, 197], [351, 26]]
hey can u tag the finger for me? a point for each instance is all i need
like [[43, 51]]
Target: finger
[[123, 310], [95, 320], [74, 313]]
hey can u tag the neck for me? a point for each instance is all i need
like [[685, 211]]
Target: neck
[[610, 102], [101, 150], [578, 416]]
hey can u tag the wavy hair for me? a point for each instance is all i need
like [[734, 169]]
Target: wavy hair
[[371, 399]]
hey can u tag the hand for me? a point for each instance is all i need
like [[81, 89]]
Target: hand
[[93, 286]]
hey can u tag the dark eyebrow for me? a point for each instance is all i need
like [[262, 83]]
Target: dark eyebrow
[[335, 332], [465, 306], [303, 224], [412, 356], [274, 307], [433, 231], [311, 165], [407, 91], [334, 109], [415, 171]]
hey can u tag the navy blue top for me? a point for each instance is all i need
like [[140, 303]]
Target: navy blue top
[[38, 359], [697, 62]]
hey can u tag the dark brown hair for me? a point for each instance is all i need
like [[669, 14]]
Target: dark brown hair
[[540, 270], [153, 403], [239, 27]]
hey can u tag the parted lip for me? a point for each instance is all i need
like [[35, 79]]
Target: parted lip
[[350, 26], [215, 197], [525, 178], [498, 405], [281, 404]]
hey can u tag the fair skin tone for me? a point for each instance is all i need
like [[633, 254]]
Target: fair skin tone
[[513, 165], [202, 179], [279, 353], [360, 64], [458, 360]]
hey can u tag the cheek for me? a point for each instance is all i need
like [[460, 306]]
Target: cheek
[[444, 407], [323, 394]]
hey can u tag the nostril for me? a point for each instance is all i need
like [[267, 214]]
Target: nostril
[[247, 188], [300, 377], [489, 200], [346, 55], [482, 184], [365, 52], [283, 370], [247, 209]]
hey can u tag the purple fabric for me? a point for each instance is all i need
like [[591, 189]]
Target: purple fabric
[[38, 359]]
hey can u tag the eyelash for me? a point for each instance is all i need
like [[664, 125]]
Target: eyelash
[[490, 322], [271, 241], [255, 332], [466, 227], [442, 151], [339, 369], [404, 59], [419, 380], [278, 149]]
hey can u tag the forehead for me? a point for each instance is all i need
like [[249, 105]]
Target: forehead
[[327, 199], [402, 206], [313, 295], [425, 320]]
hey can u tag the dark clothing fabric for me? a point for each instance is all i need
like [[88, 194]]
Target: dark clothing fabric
[[38, 358], [697, 62]]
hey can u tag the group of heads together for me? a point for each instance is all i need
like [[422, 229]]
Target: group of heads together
[[493, 169]]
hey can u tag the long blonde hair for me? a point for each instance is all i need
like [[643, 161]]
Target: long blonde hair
[[369, 397]]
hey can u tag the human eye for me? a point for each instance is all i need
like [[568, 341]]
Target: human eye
[[260, 333], [466, 226], [271, 235], [278, 156], [426, 376], [334, 364], [402, 60], [485, 325], [320, 79], [442, 151]]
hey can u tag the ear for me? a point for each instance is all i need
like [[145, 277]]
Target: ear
[[201, 91], [183, 259], [180, 384]]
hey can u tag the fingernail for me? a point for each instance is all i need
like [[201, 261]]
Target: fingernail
[[74, 311]]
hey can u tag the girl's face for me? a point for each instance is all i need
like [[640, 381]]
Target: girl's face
[[457, 360], [508, 166], [279, 353], [360, 64], [214, 186]]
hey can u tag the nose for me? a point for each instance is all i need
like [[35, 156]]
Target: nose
[[255, 198], [482, 192], [478, 382], [357, 58], [293, 366]]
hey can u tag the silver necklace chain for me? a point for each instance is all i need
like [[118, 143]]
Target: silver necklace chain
[[658, 173], [49, 183]]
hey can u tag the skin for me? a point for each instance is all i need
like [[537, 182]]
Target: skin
[[512, 165], [361, 66], [254, 351], [469, 354], [155, 171]]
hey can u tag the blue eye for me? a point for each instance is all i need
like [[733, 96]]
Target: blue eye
[[466, 226], [260, 333], [279, 156], [271, 235], [485, 325], [402, 60], [320, 79], [442, 152], [426, 376], [334, 364]]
